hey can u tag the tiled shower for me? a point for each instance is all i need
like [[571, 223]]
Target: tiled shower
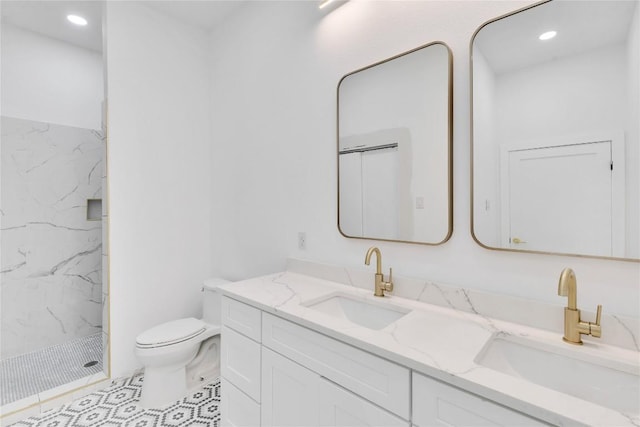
[[52, 256]]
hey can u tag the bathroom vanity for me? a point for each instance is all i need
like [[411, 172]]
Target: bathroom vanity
[[299, 350]]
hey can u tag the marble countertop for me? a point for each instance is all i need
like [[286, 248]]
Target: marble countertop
[[436, 341]]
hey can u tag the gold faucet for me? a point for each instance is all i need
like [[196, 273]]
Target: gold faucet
[[573, 326], [381, 286]]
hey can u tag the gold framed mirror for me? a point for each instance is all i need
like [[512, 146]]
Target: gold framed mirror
[[555, 130], [394, 148]]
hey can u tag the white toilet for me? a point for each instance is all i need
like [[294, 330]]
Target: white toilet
[[181, 354]]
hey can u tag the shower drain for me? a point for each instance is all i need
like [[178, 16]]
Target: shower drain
[[90, 364]]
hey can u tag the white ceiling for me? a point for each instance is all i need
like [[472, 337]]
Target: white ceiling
[[48, 17], [512, 43], [507, 44], [205, 14]]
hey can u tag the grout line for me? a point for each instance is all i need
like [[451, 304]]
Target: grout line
[[34, 373]]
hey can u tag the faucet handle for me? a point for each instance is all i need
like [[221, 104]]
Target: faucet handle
[[388, 286], [594, 328]]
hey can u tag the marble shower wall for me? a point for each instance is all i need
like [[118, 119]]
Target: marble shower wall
[[51, 254]]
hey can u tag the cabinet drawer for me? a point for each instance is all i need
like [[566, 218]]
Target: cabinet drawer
[[236, 408], [240, 359], [241, 317], [378, 380], [341, 408], [439, 404]]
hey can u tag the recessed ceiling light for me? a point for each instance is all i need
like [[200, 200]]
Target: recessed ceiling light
[[324, 4], [328, 5], [548, 35], [78, 20]]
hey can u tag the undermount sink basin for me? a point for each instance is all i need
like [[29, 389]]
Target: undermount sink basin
[[370, 314], [599, 380]]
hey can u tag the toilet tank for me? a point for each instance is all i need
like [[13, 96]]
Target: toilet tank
[[211, 313]]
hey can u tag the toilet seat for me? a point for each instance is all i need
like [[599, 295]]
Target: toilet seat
[[170, 333]]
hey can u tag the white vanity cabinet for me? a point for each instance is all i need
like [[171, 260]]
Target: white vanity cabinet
[[237, 408], [341, 408], [278, 373], [439, 404], [296, 396], [240, 364], [290, 392], [384, 383]]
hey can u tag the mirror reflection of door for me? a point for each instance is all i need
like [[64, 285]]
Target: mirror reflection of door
[[560, 198], [394, 139], [369, 197], [552, 71]]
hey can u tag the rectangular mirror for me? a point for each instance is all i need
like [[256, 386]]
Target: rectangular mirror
[[555, 130], [394, 148]]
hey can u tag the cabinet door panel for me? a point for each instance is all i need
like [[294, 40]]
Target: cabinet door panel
[[236, 408], [240, 358], [340, 408], [439, 404], [290, 392]]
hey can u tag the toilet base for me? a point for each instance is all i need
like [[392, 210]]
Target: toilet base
[[206, 365], [189, 367], [163, 386]]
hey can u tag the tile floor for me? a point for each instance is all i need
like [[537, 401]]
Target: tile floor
[[117, 405], [33, 373]]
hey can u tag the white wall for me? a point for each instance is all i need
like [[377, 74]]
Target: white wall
[[485, 186], [578, 94], [275, 71], [159, 173], [47, 80], [633, 135]]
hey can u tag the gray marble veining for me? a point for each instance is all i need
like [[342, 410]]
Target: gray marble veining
[[51, 255], [621, 331]]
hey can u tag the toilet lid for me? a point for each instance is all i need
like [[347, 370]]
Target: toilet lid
[[171, 332]]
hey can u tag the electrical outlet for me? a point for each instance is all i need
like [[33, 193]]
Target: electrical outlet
[[302, 240]]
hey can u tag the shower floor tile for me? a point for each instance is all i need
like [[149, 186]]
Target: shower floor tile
[[117, 406], [32, 373]]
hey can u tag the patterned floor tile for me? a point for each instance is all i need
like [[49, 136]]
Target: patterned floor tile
[[147, 419], [93, 417], [177, 416], [125, 412], [85, 403], [117, 406]]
